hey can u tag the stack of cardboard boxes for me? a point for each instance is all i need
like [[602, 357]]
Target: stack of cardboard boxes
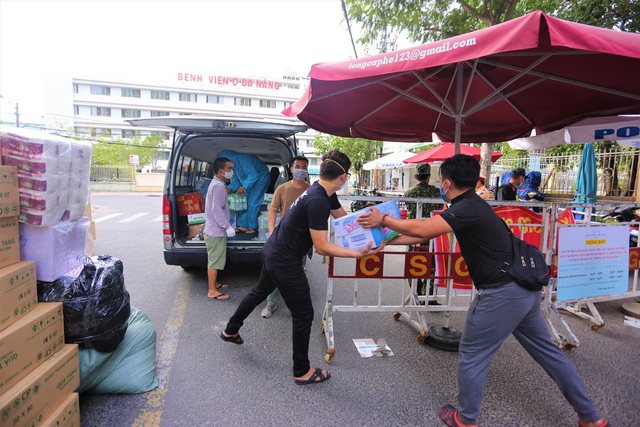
[[39, 373]]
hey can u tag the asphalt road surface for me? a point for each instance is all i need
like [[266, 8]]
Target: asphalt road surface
[[206, 382]]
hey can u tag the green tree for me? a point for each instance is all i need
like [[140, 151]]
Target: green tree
[[117, 151], [359, 150]]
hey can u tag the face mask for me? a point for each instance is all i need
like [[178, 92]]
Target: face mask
[[228, 175], [443, 194], [300, 174]]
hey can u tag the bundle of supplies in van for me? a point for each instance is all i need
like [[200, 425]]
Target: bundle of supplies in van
[[351, 235]]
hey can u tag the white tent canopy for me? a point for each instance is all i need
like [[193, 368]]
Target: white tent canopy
[[624, 129], [390, 161]]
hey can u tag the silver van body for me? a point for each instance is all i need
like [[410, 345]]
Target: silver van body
[[196, 144]]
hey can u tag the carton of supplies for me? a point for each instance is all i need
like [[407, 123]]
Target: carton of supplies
[[39, 395], [190, 203], [9, 241], [9, 200], [351, 235], [18, 292], [31, 340], [195, 219], [195, 230], [65, 415], [57, 250]]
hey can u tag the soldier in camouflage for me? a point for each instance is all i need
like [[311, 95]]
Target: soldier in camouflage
[[422, 190]]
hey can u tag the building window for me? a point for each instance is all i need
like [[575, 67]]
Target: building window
[[130, 114], [188, 97], [159, 113], [76, 110], [160, 94], [100, 90], [100, 132], [101, 111], [287, 104], [242, 102], [75, 88], [130, 93], [165, 135], [130, 133], [266, 103], [185, 114], [214, 99]]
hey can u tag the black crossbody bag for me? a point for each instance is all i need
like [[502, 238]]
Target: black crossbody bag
[[528, 267]]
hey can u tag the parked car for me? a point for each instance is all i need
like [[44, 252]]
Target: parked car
[[196, 144]]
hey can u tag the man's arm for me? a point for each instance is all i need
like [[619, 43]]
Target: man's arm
[[338, 213], [422, 229]]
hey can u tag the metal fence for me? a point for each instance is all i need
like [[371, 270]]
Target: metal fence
[[617, 171], [113, 173]]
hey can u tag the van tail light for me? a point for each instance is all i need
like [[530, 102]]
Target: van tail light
[[166, 215]]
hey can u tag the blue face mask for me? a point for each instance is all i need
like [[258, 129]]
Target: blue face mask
[[443, 194]]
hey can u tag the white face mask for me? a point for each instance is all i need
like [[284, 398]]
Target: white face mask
[[228, 175], [300, 174]]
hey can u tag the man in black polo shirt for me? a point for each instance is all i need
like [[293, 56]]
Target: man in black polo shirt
[[304, 226], [509, 191], [501, 306]]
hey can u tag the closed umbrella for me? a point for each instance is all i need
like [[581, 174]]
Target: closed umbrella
[[446, 150], [587, 180]]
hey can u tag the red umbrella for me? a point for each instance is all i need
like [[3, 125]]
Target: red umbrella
[[494, 84], [446, 150]]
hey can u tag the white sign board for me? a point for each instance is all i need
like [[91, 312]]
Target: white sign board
[[592, 261], [134, 159]]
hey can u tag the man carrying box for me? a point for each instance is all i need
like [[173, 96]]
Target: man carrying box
[[304, 226]]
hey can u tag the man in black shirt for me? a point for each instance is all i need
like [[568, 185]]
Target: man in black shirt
[[304, 226], [509, 190], [501, 306]]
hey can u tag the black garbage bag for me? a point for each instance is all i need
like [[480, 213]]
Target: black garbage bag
[[96, 304]]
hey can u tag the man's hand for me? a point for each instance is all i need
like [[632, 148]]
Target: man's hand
[[240, 191], [370, 220], [229, 190], [366, 251], [230, 231]]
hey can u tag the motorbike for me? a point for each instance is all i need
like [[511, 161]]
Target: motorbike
[[357, 205], [624, 213]]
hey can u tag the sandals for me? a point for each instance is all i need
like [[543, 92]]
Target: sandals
[[449, 415], [236, 339], [241, 229], [250, 231], [316, 377], [221, 285], [220, 297]]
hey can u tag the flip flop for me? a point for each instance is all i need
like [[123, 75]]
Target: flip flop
[[250, 231], [236, 339], [222, 285], [219, 297], [313, 379], [449, 415], [241, 230]]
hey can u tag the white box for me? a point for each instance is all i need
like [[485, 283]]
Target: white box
[[198, 218], [350, 234]]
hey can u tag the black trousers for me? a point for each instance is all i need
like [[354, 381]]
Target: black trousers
[[291, 281]]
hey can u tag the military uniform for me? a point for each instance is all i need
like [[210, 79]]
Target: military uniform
[[423, 190]]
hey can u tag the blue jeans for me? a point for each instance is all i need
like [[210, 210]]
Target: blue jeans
[[493, 315]]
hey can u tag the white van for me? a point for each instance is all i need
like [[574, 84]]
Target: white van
[[196, 144]]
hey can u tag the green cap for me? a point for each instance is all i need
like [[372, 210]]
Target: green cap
[[423, 169]]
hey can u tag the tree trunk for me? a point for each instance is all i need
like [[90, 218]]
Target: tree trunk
[[485, 160]]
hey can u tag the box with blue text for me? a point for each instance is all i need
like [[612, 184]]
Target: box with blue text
[[351, 235]]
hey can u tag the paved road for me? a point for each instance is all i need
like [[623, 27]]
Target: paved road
[[206, 382]]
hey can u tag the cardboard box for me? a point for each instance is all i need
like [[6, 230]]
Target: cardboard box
[[57, 250], [18, 291], [350, 234], [67, 414], [194, 230], [195, 219], [9, 199], [9, 241], [190, 203], [27, 343], [39, 395]]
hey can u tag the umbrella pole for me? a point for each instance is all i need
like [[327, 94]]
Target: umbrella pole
[[458, 115]]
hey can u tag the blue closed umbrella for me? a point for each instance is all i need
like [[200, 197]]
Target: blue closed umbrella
[[587, 180]]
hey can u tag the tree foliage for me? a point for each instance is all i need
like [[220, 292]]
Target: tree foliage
[[359, 150], [117, 151]]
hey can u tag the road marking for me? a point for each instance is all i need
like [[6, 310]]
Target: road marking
[[151, 414], [134, 217], [106, 217], [158, 219]]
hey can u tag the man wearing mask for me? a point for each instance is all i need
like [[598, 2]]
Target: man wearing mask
[[509, 191], [422, 190], [283, 197], [218, 225]]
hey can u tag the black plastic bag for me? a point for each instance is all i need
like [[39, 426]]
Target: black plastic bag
[[96, 304]]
